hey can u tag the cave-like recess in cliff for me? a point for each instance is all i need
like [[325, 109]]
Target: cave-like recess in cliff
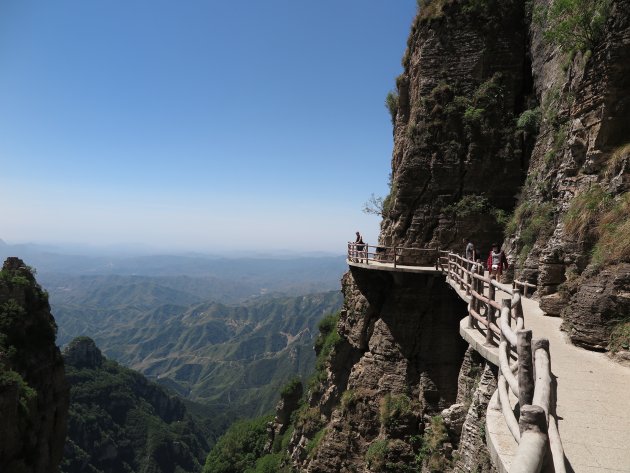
[[414, 327]]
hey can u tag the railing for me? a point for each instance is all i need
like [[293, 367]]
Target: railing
[[524, 364], [525, 285], [396, 255]]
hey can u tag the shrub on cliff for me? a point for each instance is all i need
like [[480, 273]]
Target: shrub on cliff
[[239, 448], [529, 121], [391, 102], [575, 25]]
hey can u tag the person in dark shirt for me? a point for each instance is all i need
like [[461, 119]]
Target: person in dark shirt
[[359, 246]]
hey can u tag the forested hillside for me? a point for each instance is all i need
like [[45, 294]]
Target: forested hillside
[[120, 422]]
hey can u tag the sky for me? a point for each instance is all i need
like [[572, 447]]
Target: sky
[[196, 125]]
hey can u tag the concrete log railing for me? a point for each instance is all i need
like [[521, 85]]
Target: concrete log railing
[[524, 364]]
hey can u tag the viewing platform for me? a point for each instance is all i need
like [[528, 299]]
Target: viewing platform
[[579, 410]]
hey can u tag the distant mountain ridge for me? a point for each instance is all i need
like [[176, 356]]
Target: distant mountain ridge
[[229, 357]]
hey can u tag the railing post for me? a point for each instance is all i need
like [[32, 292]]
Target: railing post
[[506, 303], [489, 321], [532, 446], [366, 251], [525, 367], [395, 254], [525, 290], [469, 278], [518, 310]]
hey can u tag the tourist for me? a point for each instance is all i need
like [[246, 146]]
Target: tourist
[[359, 246], [470, 250], [497, 262]]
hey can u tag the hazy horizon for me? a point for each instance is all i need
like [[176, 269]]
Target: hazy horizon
[[196, 126]]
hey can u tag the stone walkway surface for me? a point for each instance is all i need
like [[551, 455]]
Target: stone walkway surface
[[593, 394]]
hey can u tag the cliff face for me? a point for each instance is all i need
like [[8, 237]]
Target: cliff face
[[33, 390], [504, 131], [457, 159], [394, 367], [577, 186]]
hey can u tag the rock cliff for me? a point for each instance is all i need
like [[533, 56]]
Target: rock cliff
[[505, 129], [33, 390]]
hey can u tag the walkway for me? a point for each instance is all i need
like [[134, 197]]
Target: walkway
[[593, 393]]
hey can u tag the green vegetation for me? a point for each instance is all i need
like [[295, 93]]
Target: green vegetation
[[393, 408], [113, 408], [584, 210], [383, 456], [574, 25], [26, 394], [308, 419], [313, 444], [473, 205], [613, 232], [14, 278], [376, 454], [239, 449], [433, 440], [529, 121], [348, 399], [292, 388], [326, 341], [391, 102], [478, 113], [231, 358], [596, 216], [620, 336], [535, 221]]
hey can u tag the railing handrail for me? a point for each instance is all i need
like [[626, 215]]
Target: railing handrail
[[534, 394]]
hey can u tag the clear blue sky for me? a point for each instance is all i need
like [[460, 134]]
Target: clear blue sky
[[196, 124]]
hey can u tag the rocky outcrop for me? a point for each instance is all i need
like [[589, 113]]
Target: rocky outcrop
[[120, 421], [33, 389], [404, 353], [82, 352], [472, 454], [457, 159], [597, 303]]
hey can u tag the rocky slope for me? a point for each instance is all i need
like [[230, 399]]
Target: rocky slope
[[119, 421], [33, 390], [506, 129]]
